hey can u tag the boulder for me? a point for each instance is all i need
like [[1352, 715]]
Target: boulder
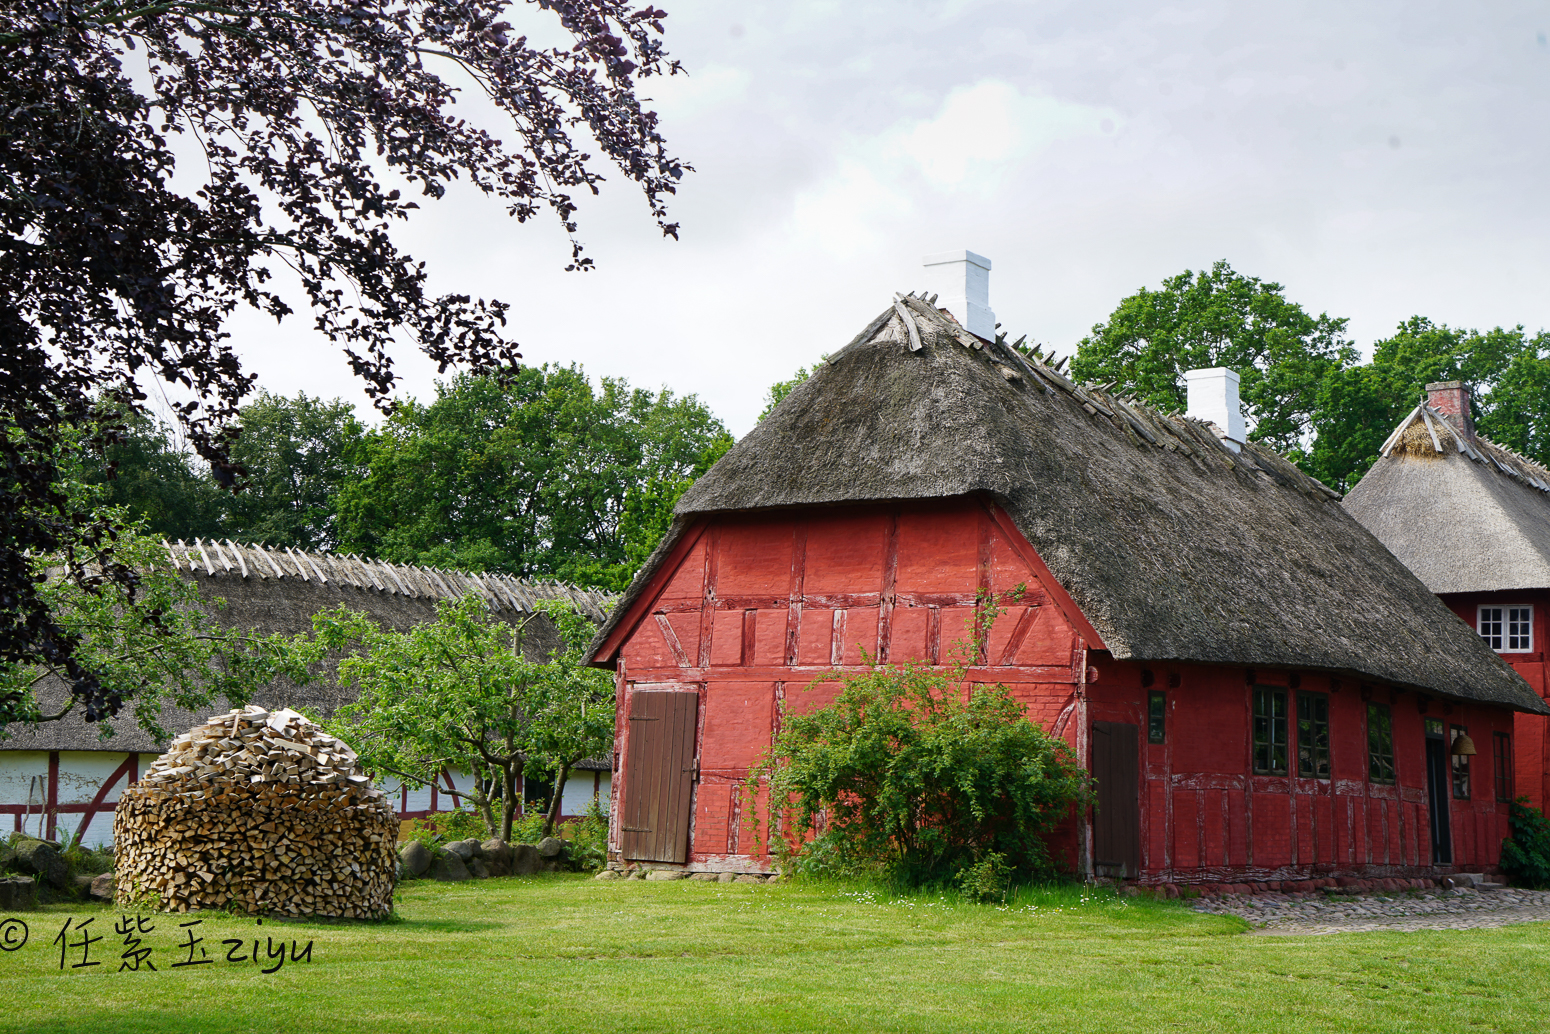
[[497, 855], [637, 874], [415, 857], [449, 868], [551, 847], [18, 893], [467, 850], [41, 859], [608, 874], [102, 887], [525, 860], [478, 869], [666, 874], [748, 877], [726, 877], [703, 877]]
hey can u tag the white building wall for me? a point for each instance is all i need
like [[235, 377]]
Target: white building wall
[[18, 771], [23, 791], [82, 773], [99, 831], [580, 788]]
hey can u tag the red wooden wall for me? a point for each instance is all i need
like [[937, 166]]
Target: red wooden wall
[[1206, 817], [751, 609], [1531, 737]]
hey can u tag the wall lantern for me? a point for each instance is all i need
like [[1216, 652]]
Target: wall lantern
[[1463, 746]]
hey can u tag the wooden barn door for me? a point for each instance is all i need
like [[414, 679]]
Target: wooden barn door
[[1117, 818], [658, 776]]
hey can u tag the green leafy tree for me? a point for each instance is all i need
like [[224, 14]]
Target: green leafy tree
[[570, 712], [464, 691], [293, 452], [157, 480], [1220, 318], [915, 772], [543, 474]]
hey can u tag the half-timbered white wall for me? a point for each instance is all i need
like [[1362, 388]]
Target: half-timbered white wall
[[60, 794]]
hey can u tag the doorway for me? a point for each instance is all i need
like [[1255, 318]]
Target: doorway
[[1117, 817], [659, 774], [1438, 792]]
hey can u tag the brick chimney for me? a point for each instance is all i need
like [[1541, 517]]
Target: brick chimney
[[1451, 399]]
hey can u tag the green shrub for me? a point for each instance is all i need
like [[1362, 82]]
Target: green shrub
[[920, 775], [443, 827], [529, 828], [987, 879], [588, 837], [88, 861], [1526, 853]]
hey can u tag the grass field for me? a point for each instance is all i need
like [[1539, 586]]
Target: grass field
[[559, 954]]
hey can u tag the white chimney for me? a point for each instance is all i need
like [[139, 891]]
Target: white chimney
[[1213, 397], [961, 282]]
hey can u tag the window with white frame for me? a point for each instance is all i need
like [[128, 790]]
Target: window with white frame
[[1507, 629]]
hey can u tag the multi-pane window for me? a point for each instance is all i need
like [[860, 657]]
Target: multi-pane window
[[1156, 716], [1507, 629], [1460, 764], [1270, 729], [1313, 735], [1380, 744], [1501, 757]]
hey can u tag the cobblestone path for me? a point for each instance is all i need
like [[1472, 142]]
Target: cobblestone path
[[1463, 909]]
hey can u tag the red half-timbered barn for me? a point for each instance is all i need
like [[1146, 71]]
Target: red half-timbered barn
[[1261, 689]]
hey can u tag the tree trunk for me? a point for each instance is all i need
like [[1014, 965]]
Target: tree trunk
[[554, 804], [482, 803], [513, 799]]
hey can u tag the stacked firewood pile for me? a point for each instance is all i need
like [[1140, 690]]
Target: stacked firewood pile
[[260, 811]]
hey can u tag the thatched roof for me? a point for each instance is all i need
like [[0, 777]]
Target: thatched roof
[[278, 590], [1463, 513], [256, 564], [1174, 546]]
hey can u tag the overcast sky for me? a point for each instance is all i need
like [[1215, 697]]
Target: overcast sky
[[1380, 160]]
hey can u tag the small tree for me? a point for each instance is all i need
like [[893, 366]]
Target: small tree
[[570, 712], [919, 774], [463, 691]]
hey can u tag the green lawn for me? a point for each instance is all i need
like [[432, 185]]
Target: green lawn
[[559, 953]]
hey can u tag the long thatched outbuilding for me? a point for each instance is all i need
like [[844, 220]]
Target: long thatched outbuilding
[[62, 779], [1258, 685]]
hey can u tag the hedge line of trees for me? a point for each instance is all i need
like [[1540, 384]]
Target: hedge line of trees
[[1305, 390], [544, 475]]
